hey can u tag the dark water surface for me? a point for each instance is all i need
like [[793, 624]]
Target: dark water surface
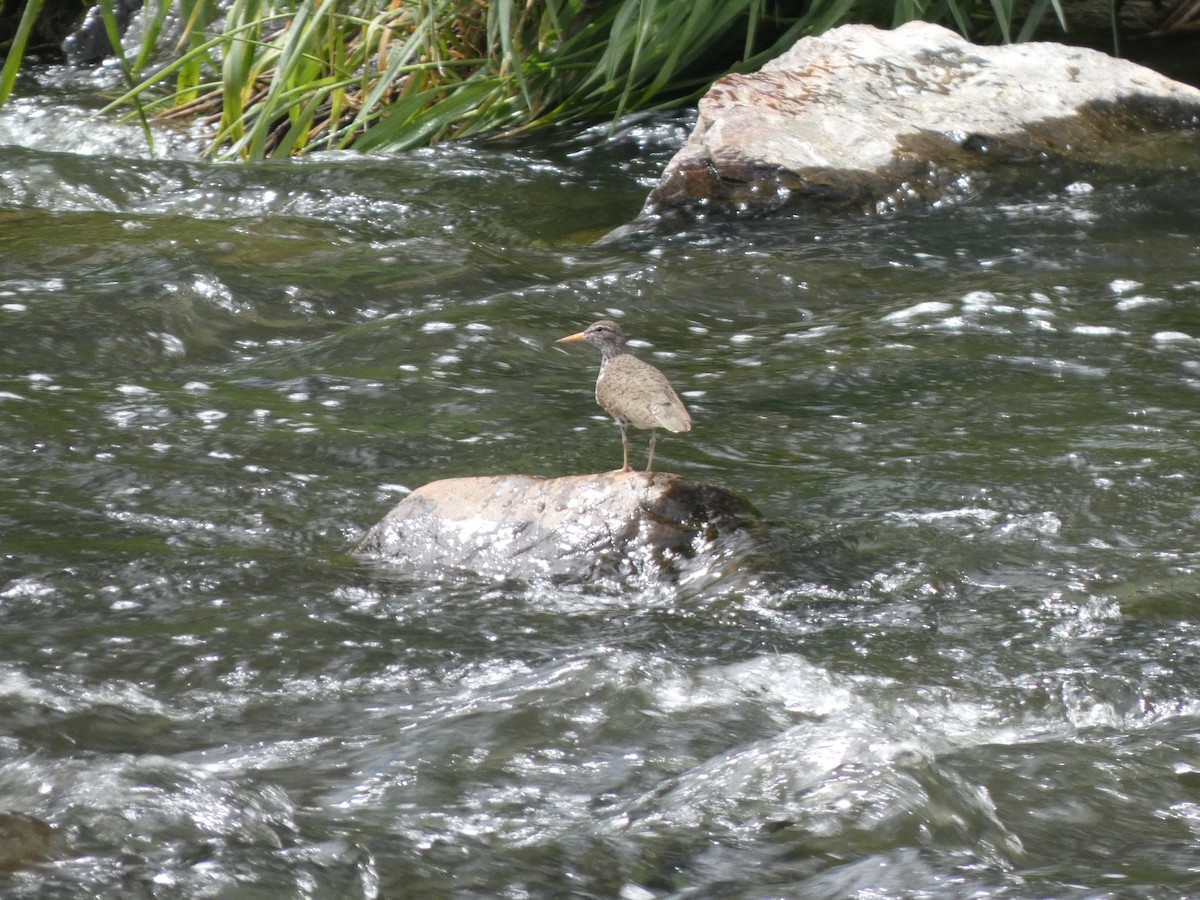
[[967, 665]]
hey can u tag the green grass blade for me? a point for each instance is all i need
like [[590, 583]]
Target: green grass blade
[[960, 16], [400, 62], [404, 126], [113, 30], [16, 49], [294, 68], [238, 79], [151, 33], [166, 71], [1003, 10]]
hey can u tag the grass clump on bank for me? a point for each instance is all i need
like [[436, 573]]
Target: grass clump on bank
[[280, 77]]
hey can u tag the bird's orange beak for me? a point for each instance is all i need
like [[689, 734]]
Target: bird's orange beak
[[572, 338]]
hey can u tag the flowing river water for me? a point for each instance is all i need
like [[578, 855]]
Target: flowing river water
[[966, 662]]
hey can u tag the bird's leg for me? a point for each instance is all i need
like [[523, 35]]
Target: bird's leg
[[650, 458], [625, 467]]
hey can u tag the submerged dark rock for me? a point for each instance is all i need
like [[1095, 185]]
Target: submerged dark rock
[[877, 120], [525, 526], [26, 841]]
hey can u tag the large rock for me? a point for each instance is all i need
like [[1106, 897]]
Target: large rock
[[878, 120], [522, 526]]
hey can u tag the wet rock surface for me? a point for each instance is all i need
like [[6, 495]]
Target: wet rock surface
[[523, 526], [878, 120]]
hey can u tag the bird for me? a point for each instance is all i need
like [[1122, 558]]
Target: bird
[[631, 391]]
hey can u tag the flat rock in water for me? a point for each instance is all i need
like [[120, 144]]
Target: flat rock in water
[[879, 120], [523, 526]]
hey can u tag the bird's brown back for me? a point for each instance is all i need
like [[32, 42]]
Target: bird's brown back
[[633, 391]]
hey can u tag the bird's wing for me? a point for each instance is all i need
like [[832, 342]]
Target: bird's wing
[[670, 412]]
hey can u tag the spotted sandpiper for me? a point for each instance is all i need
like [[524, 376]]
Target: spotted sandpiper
[[631, 391]]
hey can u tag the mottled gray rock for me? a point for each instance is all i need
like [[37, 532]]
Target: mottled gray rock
[[522, 526], [871, 119]]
